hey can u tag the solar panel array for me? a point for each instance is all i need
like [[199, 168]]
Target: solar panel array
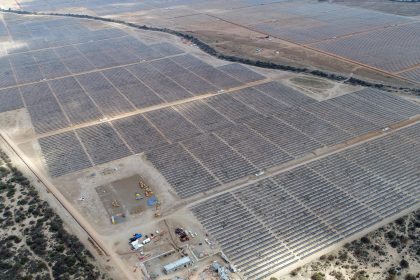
[[102, 143], [359, 34], [189, 177], [140, 76], [413, 74], [235, 135], [10, 100], [376, 45], [45, 112], [92, 73], [225, 138], [304, 210]]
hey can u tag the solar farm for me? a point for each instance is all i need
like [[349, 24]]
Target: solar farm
[[249, 155]]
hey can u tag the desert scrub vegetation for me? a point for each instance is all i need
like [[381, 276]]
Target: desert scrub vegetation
[[390, 252], [33, 241]]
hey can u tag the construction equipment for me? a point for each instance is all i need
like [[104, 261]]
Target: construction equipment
[[146, 189], [135, 237], [157, 209], [182, 234], [115, 204]]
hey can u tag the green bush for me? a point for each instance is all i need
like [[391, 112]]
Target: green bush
[[318, 276], [410, 276], [404, 263]]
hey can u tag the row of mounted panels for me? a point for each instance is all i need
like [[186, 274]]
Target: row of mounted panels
[[254, 127], [316, 205], [89, 97]]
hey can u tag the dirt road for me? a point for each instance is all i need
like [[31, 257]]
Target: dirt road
[[112, 257]]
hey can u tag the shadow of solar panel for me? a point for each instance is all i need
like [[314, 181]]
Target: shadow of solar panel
[[378, 44], [22, 59], [7, 77], [63, 154], [137, 92], [102, 143], [399, 146], [331, 204], [165, 87], [348, 121], [285, 94], [100, 59], [122, 56], [172, 124], [53, 69], [400, 173], [28, 74], [226, 164], [188, 61], [10, 100], [44, 56], [413, 74], [230, 107], [166, 49], [366, 187], [295, 225], [139, 134], [214, 76], [389, 101], [183, 77], [367, 110], [189, 177], [284, 136], [253, 147], [203, 116], [131, 43], [258, 100], [109, 100], [75, 102], [235, 228], [43, 108], [241, 72], [316, 128], [73, 59], [413, 132]]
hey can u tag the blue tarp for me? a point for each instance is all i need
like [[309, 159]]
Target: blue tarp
[[152, 201]]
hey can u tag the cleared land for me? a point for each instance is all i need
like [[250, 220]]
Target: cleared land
[[249, 153]]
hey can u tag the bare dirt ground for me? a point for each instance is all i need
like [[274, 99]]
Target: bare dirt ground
[[234, 39]]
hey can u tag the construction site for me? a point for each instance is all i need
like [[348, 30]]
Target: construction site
[[180, 165]]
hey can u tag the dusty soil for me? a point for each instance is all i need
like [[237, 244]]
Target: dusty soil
[[318, 88], [238, 40]]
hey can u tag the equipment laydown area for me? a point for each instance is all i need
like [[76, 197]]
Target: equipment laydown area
[[251, 156]]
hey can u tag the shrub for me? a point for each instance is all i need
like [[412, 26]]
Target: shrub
[[400, 221], [410, 276], [391, 234], [404, 263], [318, 276], [365, 240]]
